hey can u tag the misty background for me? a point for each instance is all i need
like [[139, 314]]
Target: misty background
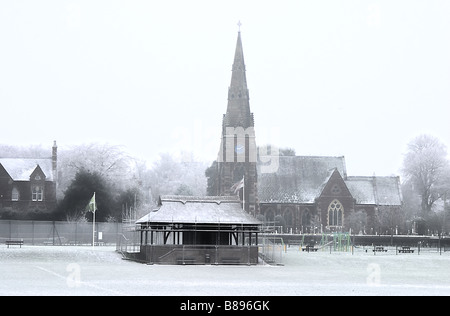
[[353, 78]]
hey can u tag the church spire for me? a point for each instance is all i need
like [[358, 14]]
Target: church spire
[[238, 109], [238, 78], [237, 154]]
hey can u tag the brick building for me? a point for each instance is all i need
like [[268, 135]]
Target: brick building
[[308, 193], [28, 185], [314, 194]]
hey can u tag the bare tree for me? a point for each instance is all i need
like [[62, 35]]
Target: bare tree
[[169, 176], [425, 169], [36, 151], [109, 161]]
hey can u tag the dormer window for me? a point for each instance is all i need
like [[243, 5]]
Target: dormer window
[[38, 178]]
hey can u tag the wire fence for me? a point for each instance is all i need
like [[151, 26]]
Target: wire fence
[[271, 249], [59, 233], [129, 239]]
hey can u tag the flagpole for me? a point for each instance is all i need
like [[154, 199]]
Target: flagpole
[[243, 192], [93, 223]]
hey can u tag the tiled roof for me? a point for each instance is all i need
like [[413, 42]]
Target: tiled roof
[[299, 179], [361, 189], [20, 169], [200, 210], [375, 190]]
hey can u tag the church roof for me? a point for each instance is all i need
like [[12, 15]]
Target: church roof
[[199, 210], [20, 169], [299, 179], [375, 190]]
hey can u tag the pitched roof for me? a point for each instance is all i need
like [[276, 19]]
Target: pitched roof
[[20, 169], [299, 179], [200, 210], [375, 190]]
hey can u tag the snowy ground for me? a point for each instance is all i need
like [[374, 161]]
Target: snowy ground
[[50, 270]]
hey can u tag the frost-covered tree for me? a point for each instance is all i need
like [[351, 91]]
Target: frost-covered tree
[[169, 176], [110, 162], [211, 174], [114, 166], [79, 193], [426, 170], [34, 151]]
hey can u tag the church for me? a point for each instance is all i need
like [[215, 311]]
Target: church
[[302, 194]]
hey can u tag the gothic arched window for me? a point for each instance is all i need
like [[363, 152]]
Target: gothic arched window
[[270, 215], [288, 218], [335, 213], [306, 218]]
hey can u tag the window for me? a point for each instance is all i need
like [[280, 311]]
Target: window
[[336, 190], [37, 193], [306, 218], [289, 220], [15, 194], [335, 213]]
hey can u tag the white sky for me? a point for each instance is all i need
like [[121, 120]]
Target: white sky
[[354, 78]]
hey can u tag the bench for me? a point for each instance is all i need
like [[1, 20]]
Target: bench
[[379, 249], [309, 248], [294, 243], [16, 242], [230, 261], [185, 261], [406, 250]]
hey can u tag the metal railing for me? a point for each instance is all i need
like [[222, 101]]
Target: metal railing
[[59, 233]]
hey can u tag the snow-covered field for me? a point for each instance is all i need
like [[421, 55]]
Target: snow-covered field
[[53, 270]]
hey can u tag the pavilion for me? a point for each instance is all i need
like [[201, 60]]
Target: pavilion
[[198, 230]]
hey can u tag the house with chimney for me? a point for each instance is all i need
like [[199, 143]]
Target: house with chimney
[[28, 185]]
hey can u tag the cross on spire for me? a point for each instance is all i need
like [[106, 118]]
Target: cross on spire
[[239, 25]]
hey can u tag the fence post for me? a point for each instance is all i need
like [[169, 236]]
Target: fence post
[[439, 243], [53, 235], [32, 233], [217, 262], [76, 233]]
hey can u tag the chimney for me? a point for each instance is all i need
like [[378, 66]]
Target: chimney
[[55, 161]]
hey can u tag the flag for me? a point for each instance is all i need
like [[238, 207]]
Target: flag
[[92, 206], [237, 186]]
